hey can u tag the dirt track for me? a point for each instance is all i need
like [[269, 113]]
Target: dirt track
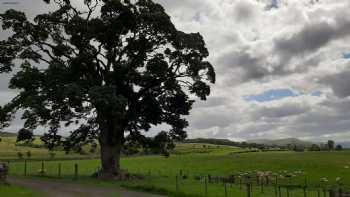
[[59, 189]]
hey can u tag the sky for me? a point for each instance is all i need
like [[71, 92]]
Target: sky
[[283, 67]]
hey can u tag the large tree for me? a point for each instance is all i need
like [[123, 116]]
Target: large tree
[[114, 67]]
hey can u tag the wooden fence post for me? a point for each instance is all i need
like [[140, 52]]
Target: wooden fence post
[[305, 193], [305, 181], [206, 186], [42, 168], [177, 184], [25, 167], [279, 191], [75, 171], [240, 183], [275, 188], [249, 190], [340, 192], [59, 170]]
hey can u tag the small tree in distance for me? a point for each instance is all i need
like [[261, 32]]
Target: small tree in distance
[[315, 147], [112, 67], [330, 144], [339, 147], [25, 135], [29, 154]]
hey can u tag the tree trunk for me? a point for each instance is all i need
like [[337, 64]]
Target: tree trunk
[[111, 145], [110, 160]]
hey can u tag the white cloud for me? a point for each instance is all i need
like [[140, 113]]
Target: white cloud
[[255, 47]]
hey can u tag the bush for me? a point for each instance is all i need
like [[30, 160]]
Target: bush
[[93, 148], [339, 147], [52, 155], [29, 154], [20, 155]]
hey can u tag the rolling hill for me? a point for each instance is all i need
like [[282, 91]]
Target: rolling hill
[[283, 142]]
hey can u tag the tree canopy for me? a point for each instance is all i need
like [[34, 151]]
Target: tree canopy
[[25, 135], [111, 67]]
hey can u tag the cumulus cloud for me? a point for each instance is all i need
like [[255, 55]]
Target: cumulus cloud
[[312, 37], [262, 45], [339, 83]]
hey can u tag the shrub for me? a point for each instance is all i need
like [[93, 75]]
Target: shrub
[[20, 155], [52, 155], [29, 154]]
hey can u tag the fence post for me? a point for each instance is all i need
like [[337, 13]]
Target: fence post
[[206, 186], [287, 191], [305, 193], [59, 170], [25, 167], [305, 181], [75, 171], [340, 192], [240, 183], [279, 191], [177, 184], [275, 188], [225, 189], [249, 190], [42, 168], [318, 193]]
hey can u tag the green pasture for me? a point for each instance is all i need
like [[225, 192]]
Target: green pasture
[[14, 191], [9, 151], [192, 160], [159, 172]]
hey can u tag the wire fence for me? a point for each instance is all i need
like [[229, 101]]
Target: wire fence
[[248, 184]]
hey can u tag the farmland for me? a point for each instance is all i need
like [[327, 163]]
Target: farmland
[[197, 160], [17, 191], [9, 150]]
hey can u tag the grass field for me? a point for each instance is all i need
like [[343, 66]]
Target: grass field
[[14, 191], [9, 151], [191, 160], [160, 172]]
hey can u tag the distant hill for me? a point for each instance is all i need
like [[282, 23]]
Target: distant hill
[[7, 134], [282, 142], [224, 142], [344, 144], [213, 141]]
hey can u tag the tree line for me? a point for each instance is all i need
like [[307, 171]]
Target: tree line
[[329, 146]]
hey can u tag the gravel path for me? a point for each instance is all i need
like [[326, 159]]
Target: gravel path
[[59, 189]]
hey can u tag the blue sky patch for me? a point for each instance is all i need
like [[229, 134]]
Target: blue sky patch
[[273, 5], [277, 94], [346, 55], [271, 95], [317, 93]]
